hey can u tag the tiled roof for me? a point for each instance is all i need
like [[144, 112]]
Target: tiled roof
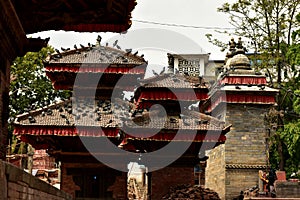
[[173, 123], [94, 55], [62, 114], [105, 114], [169, 80]]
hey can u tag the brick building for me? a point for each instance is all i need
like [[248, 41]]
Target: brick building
[[242, 98]]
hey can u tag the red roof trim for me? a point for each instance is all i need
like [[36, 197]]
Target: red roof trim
[[241, 98], [66, 131], [165, 135], [168, 95], [97, 69], [105, 27], [232, 80]]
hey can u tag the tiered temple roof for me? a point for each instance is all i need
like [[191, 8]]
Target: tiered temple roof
[[63, 67], [171, 87]]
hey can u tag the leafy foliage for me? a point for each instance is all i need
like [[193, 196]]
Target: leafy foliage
[[30, 88]]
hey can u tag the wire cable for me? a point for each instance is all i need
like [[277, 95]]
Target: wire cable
[[183, 26]]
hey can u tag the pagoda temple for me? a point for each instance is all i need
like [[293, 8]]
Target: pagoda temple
[[97, 112], [242, 98], [22, 17]]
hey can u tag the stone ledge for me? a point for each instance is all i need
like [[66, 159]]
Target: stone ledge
[[244, 166], [17, 176]]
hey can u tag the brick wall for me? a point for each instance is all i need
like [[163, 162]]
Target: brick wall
[[234, 166], [215, 171], [237, 180], [245, 142], [17, 184], [167, 177]]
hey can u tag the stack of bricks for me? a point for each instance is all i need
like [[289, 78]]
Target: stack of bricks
[[41, 160]]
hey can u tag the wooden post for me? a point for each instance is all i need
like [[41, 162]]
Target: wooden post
[[30, 153]]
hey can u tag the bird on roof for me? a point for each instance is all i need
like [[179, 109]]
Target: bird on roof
[[128, 51], [63, 49], [261, 87], [118, 47], [135, 53], [47, 39], [31, 119], [75, 46], [162, 71], [154, 73], [99, 38], [115, 43], [82, 46]]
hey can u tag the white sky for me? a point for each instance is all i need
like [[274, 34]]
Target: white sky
[[186, 12]]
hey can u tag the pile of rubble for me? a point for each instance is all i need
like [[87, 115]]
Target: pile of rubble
[[184, 192]]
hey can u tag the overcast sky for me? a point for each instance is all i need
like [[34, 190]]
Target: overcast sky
[[199, 13]]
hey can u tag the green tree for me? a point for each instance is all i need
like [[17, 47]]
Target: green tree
[[30, 89]]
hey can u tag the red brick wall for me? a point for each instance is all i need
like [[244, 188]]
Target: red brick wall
[[117, 183], [67, 183], [119, 188], [167, 177]]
